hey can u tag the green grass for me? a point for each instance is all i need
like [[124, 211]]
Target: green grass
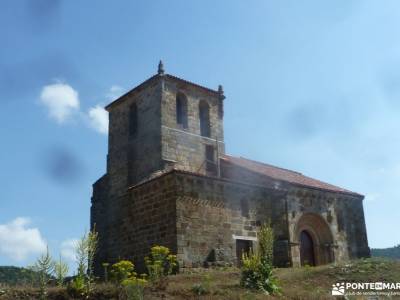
[[223, 283]]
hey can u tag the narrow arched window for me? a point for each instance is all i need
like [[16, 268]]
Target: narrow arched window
[[204, 116], [181, 110], [133, 119]]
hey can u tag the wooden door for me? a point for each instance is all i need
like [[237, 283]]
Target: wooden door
[[307, 255]]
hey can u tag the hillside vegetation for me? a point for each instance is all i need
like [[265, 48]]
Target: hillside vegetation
[[393, 252], [15, 276], [223, 283]]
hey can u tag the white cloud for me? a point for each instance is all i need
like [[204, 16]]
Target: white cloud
[[114, 92], [61, 100], [18, 241], [98, 119], [68, 249]]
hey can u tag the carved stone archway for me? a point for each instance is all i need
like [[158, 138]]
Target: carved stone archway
[[312, 231]]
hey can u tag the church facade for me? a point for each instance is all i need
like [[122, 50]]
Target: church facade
[[169, 182]]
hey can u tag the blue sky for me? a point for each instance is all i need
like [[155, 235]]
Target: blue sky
[[312, 86]]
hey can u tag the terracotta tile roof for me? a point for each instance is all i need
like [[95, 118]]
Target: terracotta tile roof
[[284, 174]]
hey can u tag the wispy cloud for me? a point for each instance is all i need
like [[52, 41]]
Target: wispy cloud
[[68, 249], [61, 100], [18, 241], [115, 92], [98, 119]]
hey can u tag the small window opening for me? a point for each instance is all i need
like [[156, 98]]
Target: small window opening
[[211, 167], [181, 111], [204, 115], [244, 208]]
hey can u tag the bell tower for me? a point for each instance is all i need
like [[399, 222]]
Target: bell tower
[[192, 135], [165, 122]]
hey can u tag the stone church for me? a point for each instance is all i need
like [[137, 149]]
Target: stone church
[[169, 182]]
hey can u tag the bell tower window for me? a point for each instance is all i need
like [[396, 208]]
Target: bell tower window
[[181, 110], [204, 115]]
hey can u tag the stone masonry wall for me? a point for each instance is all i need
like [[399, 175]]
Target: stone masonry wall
[[133, 157], [185, 147], [342, 213], [212, 213], [146, 217]]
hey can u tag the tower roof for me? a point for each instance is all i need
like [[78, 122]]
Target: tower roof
[[160, 74]]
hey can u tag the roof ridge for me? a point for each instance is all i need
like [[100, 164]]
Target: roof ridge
[[241, 161], [266, 164]]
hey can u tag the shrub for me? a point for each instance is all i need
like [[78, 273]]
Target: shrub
[[60, 270], [198, 289], [266, 243], [257, 274], [44, 267], [85, 251], [77, 288], [257, 267], [134, 288], [123, 273], [204, 287], [122, 270], [160, 264]]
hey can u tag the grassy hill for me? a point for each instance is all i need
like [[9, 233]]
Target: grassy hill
[[15, 276], [393, 252], [223, 283]]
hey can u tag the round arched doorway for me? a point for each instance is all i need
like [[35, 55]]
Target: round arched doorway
[[315, 241], [307, 255]]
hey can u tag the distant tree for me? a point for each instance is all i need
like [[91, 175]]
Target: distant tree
[[11, 275], [392, 252]]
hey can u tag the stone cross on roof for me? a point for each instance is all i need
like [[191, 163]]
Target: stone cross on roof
[[160, 68]]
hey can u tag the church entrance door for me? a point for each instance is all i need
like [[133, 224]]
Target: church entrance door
[[307, 256]]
